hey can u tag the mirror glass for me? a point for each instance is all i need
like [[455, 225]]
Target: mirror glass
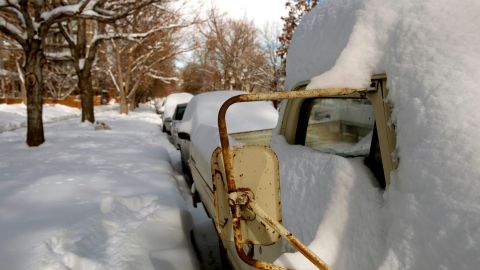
[[341, 126]]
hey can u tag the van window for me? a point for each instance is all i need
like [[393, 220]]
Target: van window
[[341, 126]]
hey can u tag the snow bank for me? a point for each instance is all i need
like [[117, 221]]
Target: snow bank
[[89, 199], [15, 116], [429, 217], [337, 201], [172, 101], [139, 232]]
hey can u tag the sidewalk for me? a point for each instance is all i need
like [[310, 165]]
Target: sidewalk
[[88, 199]]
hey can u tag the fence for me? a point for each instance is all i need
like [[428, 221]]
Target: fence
[[70, 101]]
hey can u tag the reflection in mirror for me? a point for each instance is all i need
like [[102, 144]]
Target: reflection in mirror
[[341, 126]]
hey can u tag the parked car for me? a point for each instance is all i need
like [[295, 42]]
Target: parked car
[[198, 131], [171, 103], [160, 105], [374, 162], [177, 118]]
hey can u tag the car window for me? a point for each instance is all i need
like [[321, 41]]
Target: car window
[[341, 126], [179, 112]]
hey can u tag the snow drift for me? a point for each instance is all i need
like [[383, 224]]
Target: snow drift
[[15, 116], [429, 217]]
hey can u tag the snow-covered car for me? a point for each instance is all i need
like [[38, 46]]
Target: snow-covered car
[[375, 162], [171, 103], [160, 105], [198, 130], [177, 118]]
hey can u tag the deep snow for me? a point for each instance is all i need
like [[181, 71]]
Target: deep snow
[[429, 217], [86, 199], [14, 116]]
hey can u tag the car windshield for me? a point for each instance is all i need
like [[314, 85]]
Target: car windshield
[[341, 126]]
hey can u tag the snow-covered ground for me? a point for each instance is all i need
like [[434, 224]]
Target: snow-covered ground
[[86, 199], [14, 116]]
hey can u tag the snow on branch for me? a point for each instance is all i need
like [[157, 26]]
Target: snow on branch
[[13, 31], [113, 10], [8, 3], [67, 10], [16, 11], [133, 36], [115, 82], [100, 10], [166, 80]]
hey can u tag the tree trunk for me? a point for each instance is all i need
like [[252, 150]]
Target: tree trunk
[[34, 86], [123, 104], [133, 102], [86, 90]]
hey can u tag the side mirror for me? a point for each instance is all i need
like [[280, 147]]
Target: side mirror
[[184, 136], [255, 170]]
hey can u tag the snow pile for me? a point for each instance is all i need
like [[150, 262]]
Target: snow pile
[[125, 235], [430, 214], [172, 101], [15, 116], [94, 200], [337, 201]]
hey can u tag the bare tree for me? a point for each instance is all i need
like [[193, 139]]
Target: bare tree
[[272, 72], [84, 38], [28, 23], [11, 77], [232, 47], [60, 78], [138, 65], [198, 78]]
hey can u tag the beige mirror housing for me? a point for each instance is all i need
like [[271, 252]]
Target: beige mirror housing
[[255, 170]]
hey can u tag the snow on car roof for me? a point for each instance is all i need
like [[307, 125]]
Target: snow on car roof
[[203, 110], [429, 50], [172, 101]]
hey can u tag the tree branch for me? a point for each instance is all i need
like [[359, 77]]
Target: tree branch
[[13, 31], [117, 86]]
